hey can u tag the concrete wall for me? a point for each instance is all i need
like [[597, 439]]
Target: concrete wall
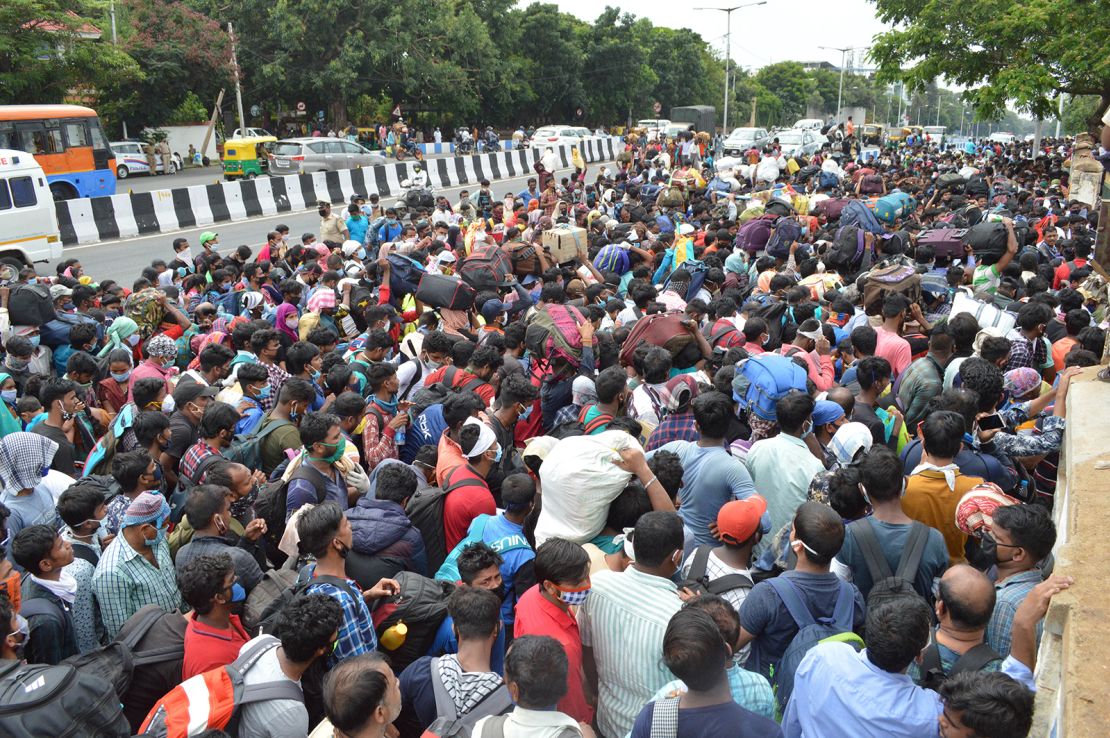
[[1073, 664]]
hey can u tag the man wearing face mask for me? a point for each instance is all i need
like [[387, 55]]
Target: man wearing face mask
[[292, 403], [622, 662], [190, 400], [17, 364], [1020, 537], [136, 569], [467, 493], [24, 462], [515, 399], [318, 480], [326, 533], [214, 635], [15, 631], [49, 594], [82, 509], [209, 512], [59, 399], [434, 351], [332, 228], [784, 463]]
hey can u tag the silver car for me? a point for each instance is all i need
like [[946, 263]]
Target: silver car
[[301, 155], [742, 139]]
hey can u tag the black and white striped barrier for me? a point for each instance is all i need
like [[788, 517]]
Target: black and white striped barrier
[[90, 220]]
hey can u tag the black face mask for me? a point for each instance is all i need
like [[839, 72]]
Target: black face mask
[[344, 550], [989, 549]]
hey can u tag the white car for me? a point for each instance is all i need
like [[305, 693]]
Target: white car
[[800, 142], [809, 124], [130, 159], [251, 133], [1002, 137], [559, 135]]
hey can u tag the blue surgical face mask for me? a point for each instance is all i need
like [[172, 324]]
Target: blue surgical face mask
[[238, 594], [361, 253], [158, 538], [526, 413], [264, 393], [122, 377], [497, 456], [34, 340], [9, 396]]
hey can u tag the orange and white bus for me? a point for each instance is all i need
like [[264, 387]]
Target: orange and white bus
[[67, 142]]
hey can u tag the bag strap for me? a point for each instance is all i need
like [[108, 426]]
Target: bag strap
[[699, 563], [283, 689], [913, 551], [445, 706], [845, 607], [337, 582], [465, 482], [85, 554], [664, 718], [495, 703], [872, 552], [974, 659], [931, 669], [494, 727], [202, 467], [788, 593], [416, 377], [311, 474]]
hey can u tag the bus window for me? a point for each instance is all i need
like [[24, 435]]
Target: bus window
[[41, 141], [99, 143], [76, 133], [23, 192], [5, 198]]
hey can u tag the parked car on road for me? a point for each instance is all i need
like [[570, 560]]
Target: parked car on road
[[130, 159], [797, 142], [809, 124], [559, 135], [251, 133], [742, 139], [300, 155]]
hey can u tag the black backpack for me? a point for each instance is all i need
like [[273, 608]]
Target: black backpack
[[274, 497], [425, 511], [698, 580], [304, 581], [974, 659], [887, 584], [30, 304], [38, 700], [422, 606]]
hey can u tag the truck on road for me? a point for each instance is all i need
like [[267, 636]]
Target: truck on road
[[701, 117]]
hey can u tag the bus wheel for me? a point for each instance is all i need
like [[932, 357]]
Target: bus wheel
[[63, 191]]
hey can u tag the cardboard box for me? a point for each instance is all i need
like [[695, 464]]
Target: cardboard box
[[563, 243]]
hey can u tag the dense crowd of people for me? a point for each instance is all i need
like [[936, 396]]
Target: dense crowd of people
[[673, 448]]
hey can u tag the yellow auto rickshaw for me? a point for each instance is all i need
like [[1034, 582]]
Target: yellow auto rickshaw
[[247, 157], [872, 134]]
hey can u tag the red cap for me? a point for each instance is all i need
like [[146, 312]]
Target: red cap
[[739, 519]]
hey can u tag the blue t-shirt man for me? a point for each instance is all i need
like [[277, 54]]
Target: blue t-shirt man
[[425, 430], [710, 478]]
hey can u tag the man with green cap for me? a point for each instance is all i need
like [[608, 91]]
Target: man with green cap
[[209, 240]]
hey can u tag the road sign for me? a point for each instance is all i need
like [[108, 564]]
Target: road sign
[[578, 112], [255, 111], [300, 107], [657, 107], [396, 111]]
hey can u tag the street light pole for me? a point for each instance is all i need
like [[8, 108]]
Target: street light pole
[[238, 89], [843, 61], [728, 51], [115, 42]]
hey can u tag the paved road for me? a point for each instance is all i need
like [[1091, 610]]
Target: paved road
[[124, 259], [192, 176]]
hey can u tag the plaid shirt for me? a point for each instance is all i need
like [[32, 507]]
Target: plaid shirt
[[566, 414], [679, 427], [1009, 595], [1024, 352], [124, 581], [277, 378], [378, 443], [922, 381], [356, 633], [197, 453], [749, 690]]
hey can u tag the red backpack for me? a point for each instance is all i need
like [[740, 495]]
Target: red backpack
[[487, 268], [553, 333], [212, 700]]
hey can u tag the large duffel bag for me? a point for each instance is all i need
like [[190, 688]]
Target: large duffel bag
[[442, 291], [661, 329], [945, 242], [30, 304]]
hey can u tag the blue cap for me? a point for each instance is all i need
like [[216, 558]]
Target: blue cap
[[827, 411]]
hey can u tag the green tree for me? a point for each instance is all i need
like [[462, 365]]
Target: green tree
[[1025, 52], [182, 52], [788, 82], [616, 76], [554, 62], [45, 54], [686, 71]]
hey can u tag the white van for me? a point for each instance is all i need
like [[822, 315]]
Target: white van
[[809, 124], [28, 221]]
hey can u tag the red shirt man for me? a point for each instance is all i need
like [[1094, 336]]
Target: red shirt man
[[538, 615], [207, 648]]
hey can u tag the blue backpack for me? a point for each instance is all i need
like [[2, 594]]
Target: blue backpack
[[786, 232], [770, 377], [828, 179], [697, 271], [449, 571], [858, 214], [893, 206], [612, 258], [811, 631]]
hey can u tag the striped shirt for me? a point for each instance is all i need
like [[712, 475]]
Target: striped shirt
[[623, 621], [124, 581]]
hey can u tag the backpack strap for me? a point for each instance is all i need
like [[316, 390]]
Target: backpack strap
[[845, 607], [974, 659], [445, 706], [494, 727], [283, 689], [202, 467], [795, 605], [416, 377], [872, 552], [664, 718], [311, 474], [699, 563], [464, 482], [932, 673], [337, 582], [913, 552], [598, 421], [85, 554], [495, 703]]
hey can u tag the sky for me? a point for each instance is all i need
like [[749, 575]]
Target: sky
[[797, 27]]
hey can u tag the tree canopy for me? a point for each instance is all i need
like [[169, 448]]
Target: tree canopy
[[1023, 53]]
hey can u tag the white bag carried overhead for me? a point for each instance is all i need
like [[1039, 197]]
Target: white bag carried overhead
[[578, 481]]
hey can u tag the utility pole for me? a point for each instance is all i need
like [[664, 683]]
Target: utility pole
[[728, 51], [115, 42], [238, 89], [1060, 113], [843, 63]]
